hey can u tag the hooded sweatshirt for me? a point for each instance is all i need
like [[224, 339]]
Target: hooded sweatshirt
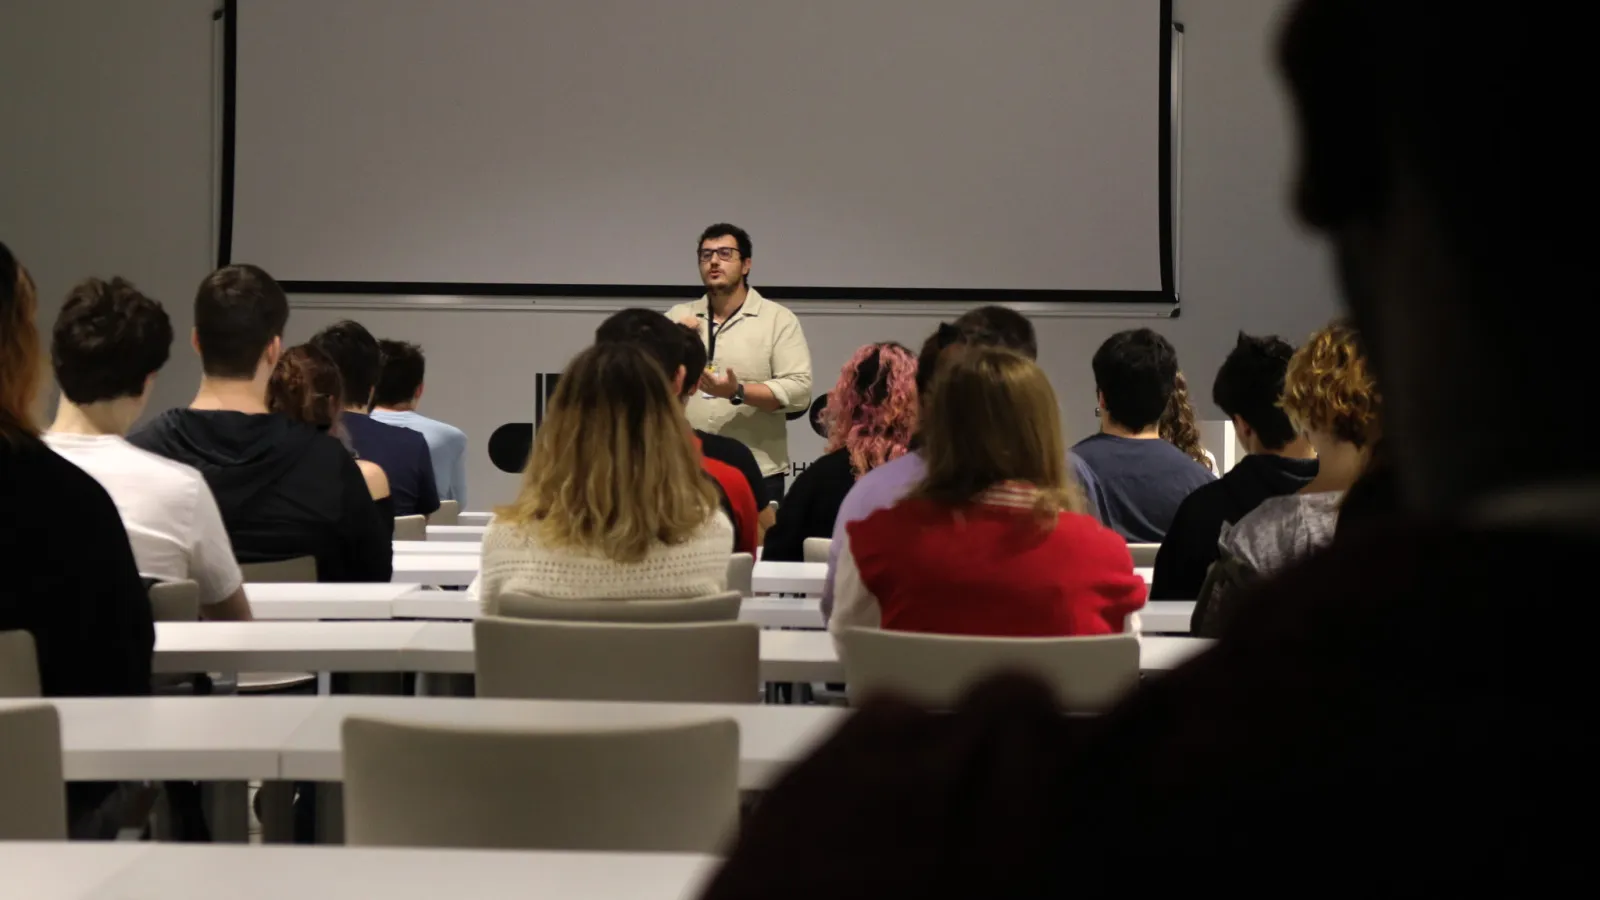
[[1190, 546], [284, 488]]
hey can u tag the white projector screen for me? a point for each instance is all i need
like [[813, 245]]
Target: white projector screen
[[874, 149]]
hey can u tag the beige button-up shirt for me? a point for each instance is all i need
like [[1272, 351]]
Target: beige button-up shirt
[[763, 344]]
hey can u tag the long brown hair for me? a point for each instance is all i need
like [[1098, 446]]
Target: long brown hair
[[1177, 425], [612, 470], [305, 386], [20, 360], [993, 418]]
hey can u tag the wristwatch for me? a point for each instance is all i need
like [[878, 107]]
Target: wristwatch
[[738, 396]]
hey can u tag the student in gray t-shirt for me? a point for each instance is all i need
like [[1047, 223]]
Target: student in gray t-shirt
[[1139, 479]]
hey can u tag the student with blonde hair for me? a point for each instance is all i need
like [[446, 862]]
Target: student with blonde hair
[[614, 503], [995, 539]]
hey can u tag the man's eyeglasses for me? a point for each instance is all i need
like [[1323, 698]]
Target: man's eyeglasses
[[723, 253]]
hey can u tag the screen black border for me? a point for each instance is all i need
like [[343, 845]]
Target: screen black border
[[1167, 294]]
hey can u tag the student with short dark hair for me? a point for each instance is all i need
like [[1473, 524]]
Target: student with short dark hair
[[400, 452], [678, 351], [1139, 479], [284, 488], [1248, 389], [395, 401], [70, 579], [109, 342]]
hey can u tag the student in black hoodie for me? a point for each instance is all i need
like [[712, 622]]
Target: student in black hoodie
[[1281, 461], [285, 489]]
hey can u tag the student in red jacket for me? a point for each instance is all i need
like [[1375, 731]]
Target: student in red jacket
[[995, 539]]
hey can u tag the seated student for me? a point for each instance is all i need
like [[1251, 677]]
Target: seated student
[[872, 415], [993, 540], [1178, 428], [986, 326], [285, 489], [1331, 396], [679, 351], [110, 340], [400, 452], [1139, 478], [614, 504], [399, 390], [1280, 461], [70, 578], [305, 387]]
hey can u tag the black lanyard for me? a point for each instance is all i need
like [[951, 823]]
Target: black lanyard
[[713, 330]]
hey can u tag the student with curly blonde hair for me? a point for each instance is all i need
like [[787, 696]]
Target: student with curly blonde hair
[[1332, 398], [871, 416]]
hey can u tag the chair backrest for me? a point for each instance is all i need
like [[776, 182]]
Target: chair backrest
[[1144, 555], [410, 528], [741, 573], [816, 549], [1087, 673], [19, 665], [695, 662], [448, 513], [301, 569], [723, 607], [673, 788], [176, 601], [35, 806]]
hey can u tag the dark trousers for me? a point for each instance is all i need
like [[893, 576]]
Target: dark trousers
[[774, 485]]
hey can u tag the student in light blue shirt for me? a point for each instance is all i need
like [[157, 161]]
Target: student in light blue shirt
[[395, 401]]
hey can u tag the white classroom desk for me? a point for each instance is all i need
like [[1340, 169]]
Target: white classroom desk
[[771, 738], [298, 737], [469, 533], [767, 612], [118, 871], [443, 569], [447, 648], [464, 548], [475, 518], [808, 578], [373, 600]]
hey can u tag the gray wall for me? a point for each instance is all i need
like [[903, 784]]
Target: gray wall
[[107, 168]]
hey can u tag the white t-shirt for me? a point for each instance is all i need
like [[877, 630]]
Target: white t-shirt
[[172, 520]]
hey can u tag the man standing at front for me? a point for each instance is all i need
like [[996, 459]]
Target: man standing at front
[[758, 366]]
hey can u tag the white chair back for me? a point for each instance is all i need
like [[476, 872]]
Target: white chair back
[[664, 789], [176, 601], [448, 513], [300, 570], [1144, 555], [1088, 674], [698, 662], [19, 665], [816, 549], [410, 528], [741, 573], [723, 607], [35, 805]]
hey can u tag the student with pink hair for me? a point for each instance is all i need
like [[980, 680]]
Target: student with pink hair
[[871, 416]]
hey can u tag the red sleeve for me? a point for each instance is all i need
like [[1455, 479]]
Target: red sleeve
[[1114, 589], [741, 498]]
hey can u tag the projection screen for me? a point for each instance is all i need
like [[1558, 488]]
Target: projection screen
[[874, 149]]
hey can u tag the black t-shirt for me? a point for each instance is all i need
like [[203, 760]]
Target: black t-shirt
[[1190, 546], [70, 579], [810, 507], [284, 490], [728, 450], [403, 456]]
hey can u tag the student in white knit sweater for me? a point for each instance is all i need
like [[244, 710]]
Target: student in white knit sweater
[[614, 503]]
